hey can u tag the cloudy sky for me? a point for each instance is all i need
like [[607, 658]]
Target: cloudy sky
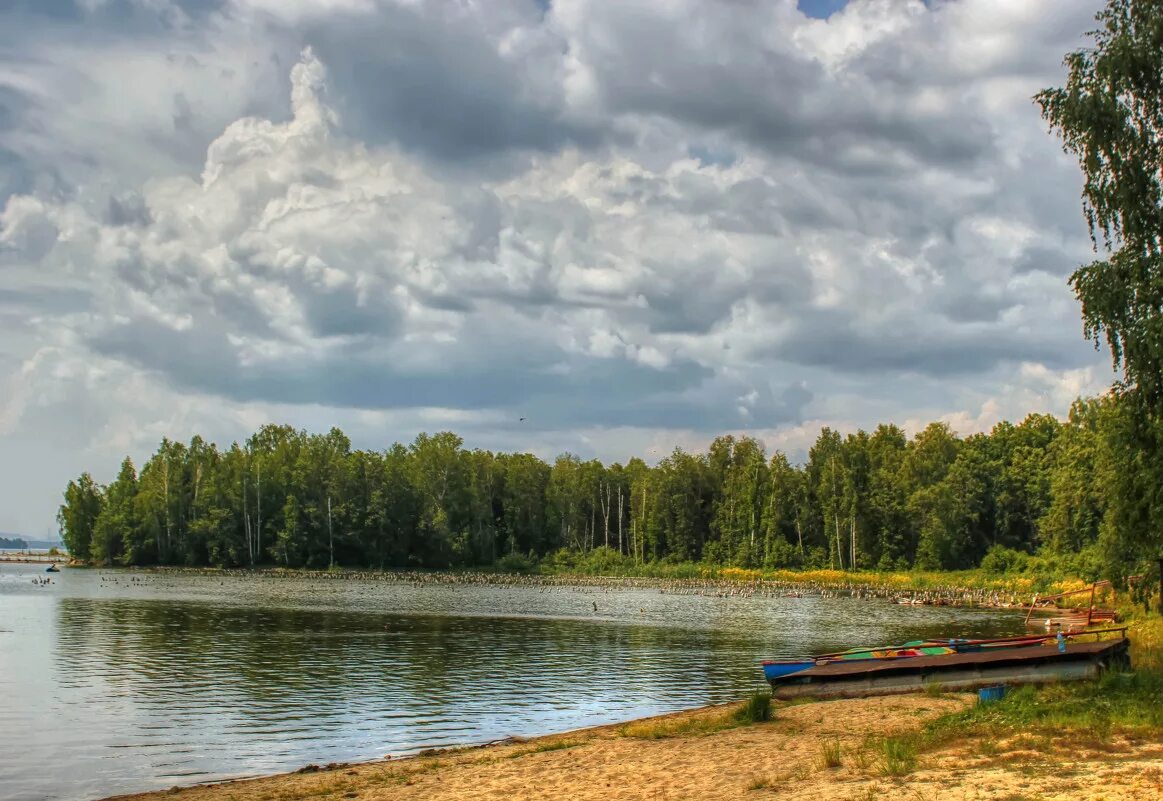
[[635, 224]]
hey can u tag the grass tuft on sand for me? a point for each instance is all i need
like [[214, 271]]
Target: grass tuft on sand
[[898, 756], [681, 726], [756, 709], [541, 748], [759, 783], [830, 754]]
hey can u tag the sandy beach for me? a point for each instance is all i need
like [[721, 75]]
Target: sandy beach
[[654, 759]]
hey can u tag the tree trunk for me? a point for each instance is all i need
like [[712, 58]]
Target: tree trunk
[[330, 535], [166, 484], [852, 532], [644, 528], [593, 523], [839, 544], [836, 518], [258, 514], [246, 525], [755, 502], [604, 493], [620, 516], [633, 535]]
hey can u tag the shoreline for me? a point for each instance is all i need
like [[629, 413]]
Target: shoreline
[[700, 754], [970, 588]]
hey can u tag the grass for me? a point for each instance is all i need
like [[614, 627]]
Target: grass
[[898, 756], [541, 748], [1146, 633], [683, 726], [756, 709], [1124, 701], [830, 755], [1030, 717], [933, 689], [988, 748]]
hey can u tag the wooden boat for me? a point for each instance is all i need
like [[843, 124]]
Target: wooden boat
[[776, 669], [1069, 618], [970, 665]]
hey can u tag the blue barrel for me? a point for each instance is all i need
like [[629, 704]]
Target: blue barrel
[[995, 692]]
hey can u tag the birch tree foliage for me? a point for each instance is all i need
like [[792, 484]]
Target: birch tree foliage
[[1110, 116], [84, 499]]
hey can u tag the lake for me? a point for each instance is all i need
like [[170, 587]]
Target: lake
[[116, 681]]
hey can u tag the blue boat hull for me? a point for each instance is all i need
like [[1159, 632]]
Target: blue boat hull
[[773, 671]]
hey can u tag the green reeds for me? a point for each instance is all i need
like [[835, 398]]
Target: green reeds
[[756, 709], [898, 756], [830, 754]]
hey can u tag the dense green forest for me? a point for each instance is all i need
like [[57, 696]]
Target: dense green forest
[[866, 500]]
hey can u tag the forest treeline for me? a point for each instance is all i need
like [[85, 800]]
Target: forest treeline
[[876, 499]]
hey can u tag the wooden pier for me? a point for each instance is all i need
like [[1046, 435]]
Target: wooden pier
[[963, 671]]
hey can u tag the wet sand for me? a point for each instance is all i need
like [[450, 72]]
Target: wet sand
[[780, 759]]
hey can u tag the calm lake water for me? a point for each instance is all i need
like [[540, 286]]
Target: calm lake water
[[122, 681]]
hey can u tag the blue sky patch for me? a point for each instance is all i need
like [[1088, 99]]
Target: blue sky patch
[[821, 9]]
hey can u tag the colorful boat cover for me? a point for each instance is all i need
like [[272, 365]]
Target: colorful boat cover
[[895, 653]]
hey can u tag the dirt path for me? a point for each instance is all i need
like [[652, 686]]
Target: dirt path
[[782, 759]]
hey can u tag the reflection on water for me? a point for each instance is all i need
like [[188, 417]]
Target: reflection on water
[[114, 682]]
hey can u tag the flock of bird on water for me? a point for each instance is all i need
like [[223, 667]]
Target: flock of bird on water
[[711, 588]]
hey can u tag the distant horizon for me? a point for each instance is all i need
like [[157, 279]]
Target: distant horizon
[[33, 544]]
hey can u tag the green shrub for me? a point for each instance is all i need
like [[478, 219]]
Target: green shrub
[[757, 709], [781, 553], [1000, 560], [516, 563]]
